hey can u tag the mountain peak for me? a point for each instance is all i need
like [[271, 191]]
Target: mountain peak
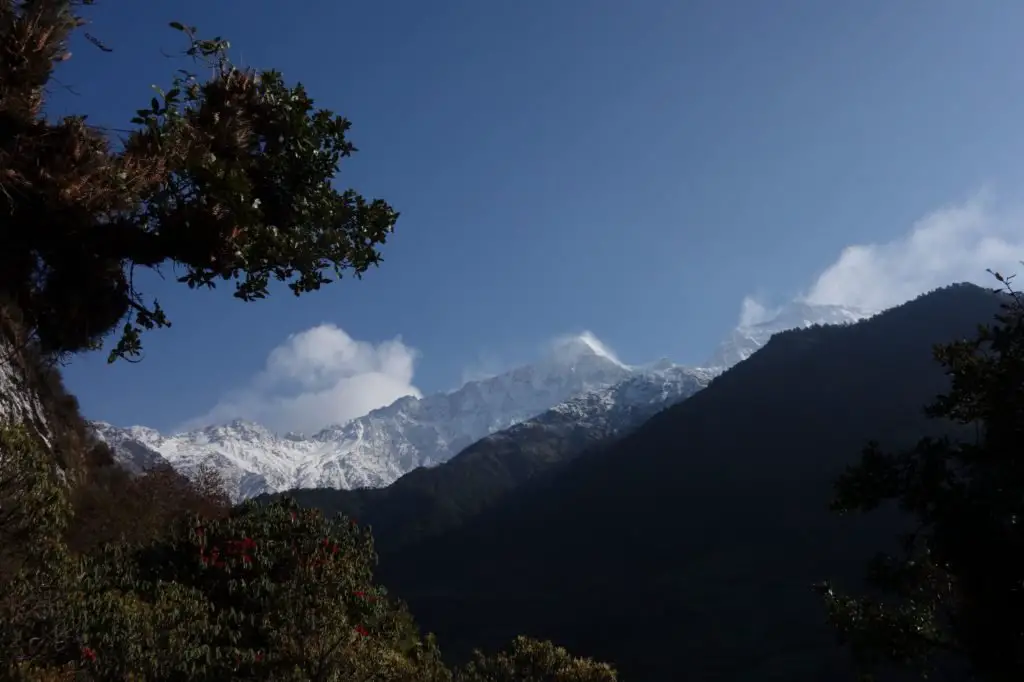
[[745, 339], [801, 313], [570, 350], [236, 428]]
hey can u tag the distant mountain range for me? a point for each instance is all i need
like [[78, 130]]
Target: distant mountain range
[[374, 450]]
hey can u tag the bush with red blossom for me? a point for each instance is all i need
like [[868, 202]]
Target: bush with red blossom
[[270, 592]]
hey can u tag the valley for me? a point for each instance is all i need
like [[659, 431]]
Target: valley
[[689, 500]]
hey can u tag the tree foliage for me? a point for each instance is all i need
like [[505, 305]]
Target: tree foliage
[[270, 592], [34, 512], [953, 598], [530, 660], [273, 593], [225, 178], [112, 506]]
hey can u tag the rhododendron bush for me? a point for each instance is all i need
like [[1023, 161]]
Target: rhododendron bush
[[271, 592]]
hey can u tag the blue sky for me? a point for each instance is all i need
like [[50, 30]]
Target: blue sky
[[636, 169]]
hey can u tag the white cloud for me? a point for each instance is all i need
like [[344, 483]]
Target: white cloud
[[954, 244], [316, 378], [957, 243]]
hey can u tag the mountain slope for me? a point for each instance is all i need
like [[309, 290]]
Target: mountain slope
[[428, 501], [687, 549], [374, 450]]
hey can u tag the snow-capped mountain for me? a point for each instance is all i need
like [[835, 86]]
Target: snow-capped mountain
[[746, 339], [374, 450], [648, 391], [578, 377], [427, 502]]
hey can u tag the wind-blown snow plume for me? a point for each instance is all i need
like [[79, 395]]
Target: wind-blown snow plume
[[584, 341]]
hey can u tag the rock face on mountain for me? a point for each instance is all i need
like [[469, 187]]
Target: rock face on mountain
[[20, 399], [33, 396], [376, 449], [428, 501]]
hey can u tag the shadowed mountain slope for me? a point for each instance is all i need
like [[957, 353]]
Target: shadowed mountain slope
[[428, 501], [687, 549]]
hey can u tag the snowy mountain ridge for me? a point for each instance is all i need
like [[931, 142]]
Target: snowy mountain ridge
[[578, 377], [744, 341], [375, 449]]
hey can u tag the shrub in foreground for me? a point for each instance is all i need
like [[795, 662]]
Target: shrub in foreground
[[530, 660], [273, 593]]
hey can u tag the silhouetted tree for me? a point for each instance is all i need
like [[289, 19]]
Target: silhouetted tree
[[227, 178], [955, 596]]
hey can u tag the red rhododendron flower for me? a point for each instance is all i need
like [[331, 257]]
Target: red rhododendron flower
[[362, 631], [241, 546], [88, 654]]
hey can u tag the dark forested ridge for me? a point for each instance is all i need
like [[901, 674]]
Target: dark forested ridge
[[429, 501], [688, 548]]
